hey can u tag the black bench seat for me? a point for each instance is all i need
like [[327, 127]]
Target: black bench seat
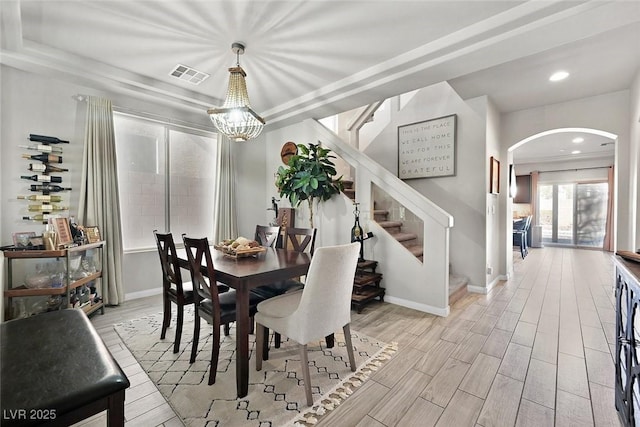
[[55, 371]]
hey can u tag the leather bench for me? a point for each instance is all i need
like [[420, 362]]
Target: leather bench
[[55, 371]]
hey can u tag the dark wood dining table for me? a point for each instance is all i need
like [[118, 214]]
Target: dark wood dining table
[[244, 274]]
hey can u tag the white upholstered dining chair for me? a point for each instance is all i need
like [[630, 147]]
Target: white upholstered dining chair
[[318, 310]]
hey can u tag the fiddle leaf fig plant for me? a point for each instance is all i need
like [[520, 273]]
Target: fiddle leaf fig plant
[[309, 175]]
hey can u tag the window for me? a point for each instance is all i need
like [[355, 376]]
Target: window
[[166, 180]]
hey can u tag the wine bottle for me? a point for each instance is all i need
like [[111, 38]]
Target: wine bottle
[[48, 188], [43, 178], [45, 168], [46, 158], [46, 139], [47, 208], [38, 217], [42, 198], [43, 148]]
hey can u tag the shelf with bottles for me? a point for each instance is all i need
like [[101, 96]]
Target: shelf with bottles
[[50, 154], [69, 273]]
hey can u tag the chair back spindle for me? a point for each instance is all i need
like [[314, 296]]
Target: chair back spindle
[[267, 235], [197, 251], [300, 239], [169, 261]]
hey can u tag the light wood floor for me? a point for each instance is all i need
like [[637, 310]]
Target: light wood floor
[[536, 351]]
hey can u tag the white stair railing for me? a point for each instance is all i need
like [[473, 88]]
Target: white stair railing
[[425, 285]]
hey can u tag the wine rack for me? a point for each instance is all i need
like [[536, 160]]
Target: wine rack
[[46, 204]]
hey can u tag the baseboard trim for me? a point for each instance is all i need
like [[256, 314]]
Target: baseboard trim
[[442, 312], [485, 289], [478, 289], [142, 294]]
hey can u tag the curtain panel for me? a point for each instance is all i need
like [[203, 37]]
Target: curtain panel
[[225, 221], [99, 199], [608, 231]]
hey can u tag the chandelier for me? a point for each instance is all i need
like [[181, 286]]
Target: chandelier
[[235, 118]]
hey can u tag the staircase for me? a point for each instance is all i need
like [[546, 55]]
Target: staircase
[[457, 284], [408, 240]]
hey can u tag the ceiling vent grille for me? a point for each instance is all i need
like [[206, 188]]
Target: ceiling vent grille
[[188, 74]]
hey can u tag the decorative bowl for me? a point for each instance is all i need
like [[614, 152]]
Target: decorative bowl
[[38, 281]]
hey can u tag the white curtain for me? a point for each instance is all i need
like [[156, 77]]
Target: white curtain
[[225, 221], [607, 244], [99, 200]]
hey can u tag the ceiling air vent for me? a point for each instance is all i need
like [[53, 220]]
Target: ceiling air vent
[[188, 74]]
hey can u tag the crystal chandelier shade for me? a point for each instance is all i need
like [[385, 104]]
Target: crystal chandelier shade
[[236, 119]]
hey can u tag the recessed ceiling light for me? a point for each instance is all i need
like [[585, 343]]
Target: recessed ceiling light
[[576, 152], [558, 75], [577, 140]]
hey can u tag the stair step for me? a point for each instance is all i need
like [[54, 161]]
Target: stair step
[[390, 224], [347, 183], [405, 238], [391, 227], [416, 250], [350, 193], [380, 215], [457, 288]]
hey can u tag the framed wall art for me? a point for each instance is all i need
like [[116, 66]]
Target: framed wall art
[[494, 181], [93, 234], [427, 149]]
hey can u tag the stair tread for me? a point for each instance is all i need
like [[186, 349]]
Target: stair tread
[[389, 224], [416, 250], [401, 237]]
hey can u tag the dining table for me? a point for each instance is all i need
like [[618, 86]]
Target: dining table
[[244, 274]]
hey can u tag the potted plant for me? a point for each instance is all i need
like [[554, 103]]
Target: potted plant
[[309, 175]]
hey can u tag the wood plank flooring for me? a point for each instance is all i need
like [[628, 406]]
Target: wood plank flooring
[[536, 351]]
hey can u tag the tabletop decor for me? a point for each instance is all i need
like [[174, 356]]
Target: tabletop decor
[[310, 175], [239, 247], [273, 399]]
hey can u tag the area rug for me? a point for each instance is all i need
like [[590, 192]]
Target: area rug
[[276, 394]]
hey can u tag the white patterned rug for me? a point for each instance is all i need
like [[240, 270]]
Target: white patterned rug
[[276, 394]]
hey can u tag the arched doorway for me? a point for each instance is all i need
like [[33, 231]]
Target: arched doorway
[[572, 199]]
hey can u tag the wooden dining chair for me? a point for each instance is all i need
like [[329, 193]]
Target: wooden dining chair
[[295, 239], [216, 308], [267, 235], [174, 290], [318, 310]]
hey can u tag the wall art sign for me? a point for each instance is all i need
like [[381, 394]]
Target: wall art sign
[[427, 149]]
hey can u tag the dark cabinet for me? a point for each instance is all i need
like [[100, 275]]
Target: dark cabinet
[[523, 183], [627, 369]]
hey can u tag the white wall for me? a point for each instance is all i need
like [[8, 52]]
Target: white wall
[[35, 104], [495, 212], [333, 218], [608, 112], [463, 195], [634, 140]]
